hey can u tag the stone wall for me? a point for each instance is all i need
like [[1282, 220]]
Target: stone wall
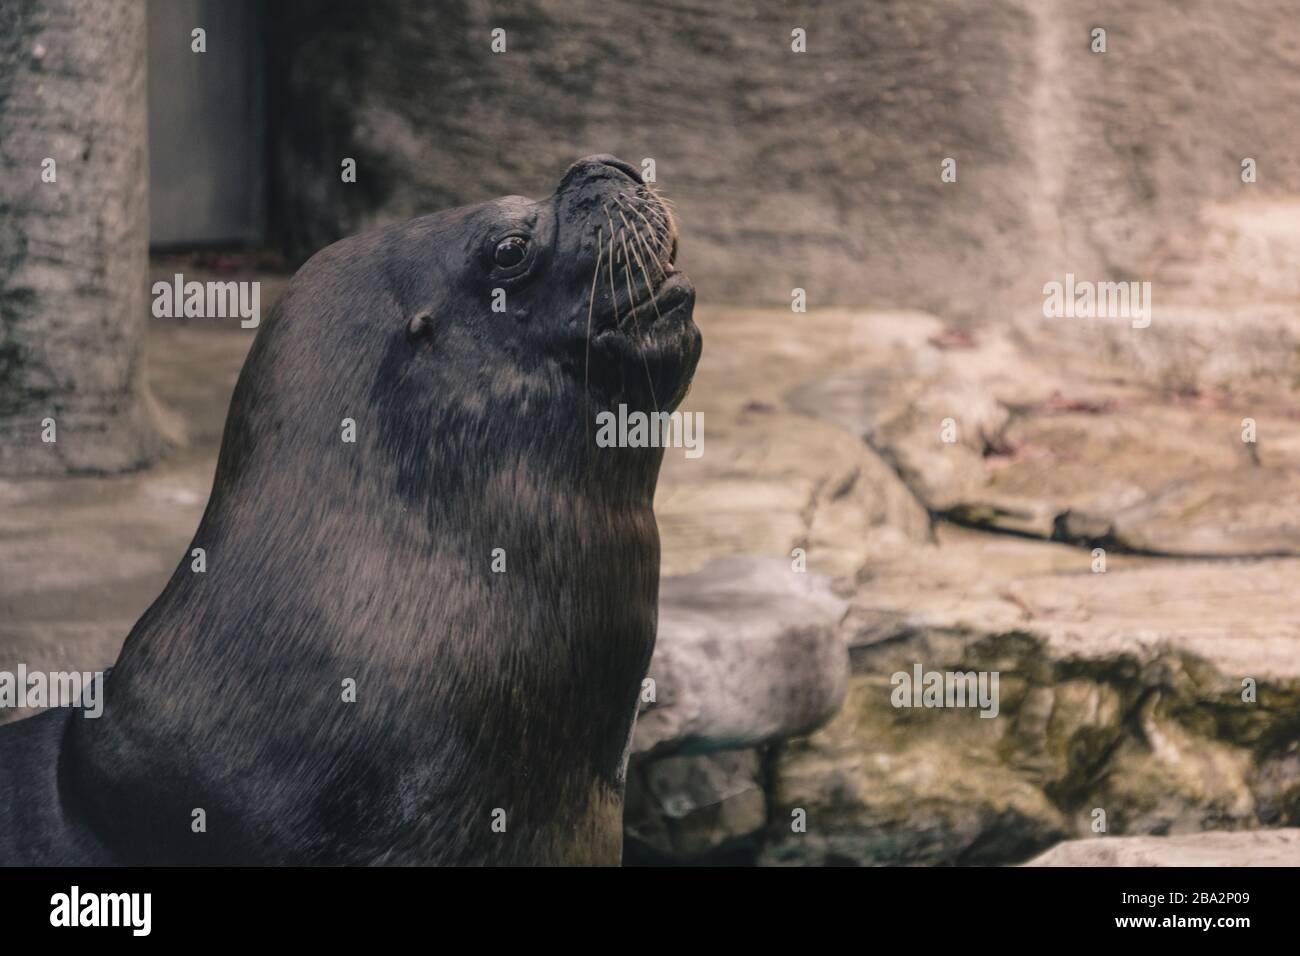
[[819, 170]]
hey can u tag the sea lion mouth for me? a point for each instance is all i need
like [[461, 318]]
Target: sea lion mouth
[[673, 293]]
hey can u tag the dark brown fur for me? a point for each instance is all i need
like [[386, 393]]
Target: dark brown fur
[[476, 690]]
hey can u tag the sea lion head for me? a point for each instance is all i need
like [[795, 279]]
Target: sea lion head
[[582, 282], [587, 277], [510, 315]]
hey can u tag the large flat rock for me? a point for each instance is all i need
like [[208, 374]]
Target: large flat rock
[[1124, 692], [1091, 431], [1249, 848]]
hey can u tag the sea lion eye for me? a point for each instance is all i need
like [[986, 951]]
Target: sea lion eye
[[510, 251]]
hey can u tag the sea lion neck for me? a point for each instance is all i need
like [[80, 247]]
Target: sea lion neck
[[448, 627]]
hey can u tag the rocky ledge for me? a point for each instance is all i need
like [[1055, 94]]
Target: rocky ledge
[[1086, 512]]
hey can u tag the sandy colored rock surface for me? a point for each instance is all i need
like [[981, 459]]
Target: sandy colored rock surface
[[773, 478], [1251, 848], [1090, 431]]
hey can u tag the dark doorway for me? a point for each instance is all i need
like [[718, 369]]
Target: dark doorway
[[207, 143]]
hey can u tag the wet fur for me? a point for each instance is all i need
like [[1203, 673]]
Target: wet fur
[[372, 561]]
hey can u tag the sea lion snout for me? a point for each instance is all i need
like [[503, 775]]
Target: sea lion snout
[[601, 164], [618, 239]]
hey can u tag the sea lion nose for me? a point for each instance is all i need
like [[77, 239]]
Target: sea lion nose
[[617, 163], [599, 163]]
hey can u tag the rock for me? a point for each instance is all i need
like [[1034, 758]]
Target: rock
[[1128, 692], [1236, 616], [1178, 439], [1244, 848], [705, 809], [880, 786], [749, 652], [774, 476]]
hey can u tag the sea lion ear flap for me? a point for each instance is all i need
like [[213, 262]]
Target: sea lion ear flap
[[421, 331]]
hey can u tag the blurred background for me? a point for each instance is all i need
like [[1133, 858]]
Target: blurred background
[[921, 468]]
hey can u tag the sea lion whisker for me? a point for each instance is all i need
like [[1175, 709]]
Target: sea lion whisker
[[637, 324], [641, 239], [586, 359], [661, 224], [613, 295], [650, 255], [654, 199], [662, 214], [654, 232], [645, 278], [614, 230], [627, 275], [647, 255]]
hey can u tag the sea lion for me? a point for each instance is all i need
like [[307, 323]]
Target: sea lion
[[355, 679]]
